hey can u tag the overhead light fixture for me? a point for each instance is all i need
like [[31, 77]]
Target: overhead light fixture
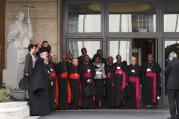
[[94, 6], [129, 7], [123, 7]]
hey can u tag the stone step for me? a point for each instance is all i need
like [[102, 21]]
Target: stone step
[[14, 110]]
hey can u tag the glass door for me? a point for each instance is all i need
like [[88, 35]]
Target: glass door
[[139, 47], [92, 45], [121, 47]]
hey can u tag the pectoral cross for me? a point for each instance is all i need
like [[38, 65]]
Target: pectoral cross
[[29, 6]]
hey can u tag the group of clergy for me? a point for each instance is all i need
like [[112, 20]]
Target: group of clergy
[[100, 83], [87, 83]]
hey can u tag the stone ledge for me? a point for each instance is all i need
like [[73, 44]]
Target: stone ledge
[[14, 110]]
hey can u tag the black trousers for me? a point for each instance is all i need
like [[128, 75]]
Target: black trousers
[[110, 94], [173, 97], [99, 89]]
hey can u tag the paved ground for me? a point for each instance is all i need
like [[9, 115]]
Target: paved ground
[[109, 114]]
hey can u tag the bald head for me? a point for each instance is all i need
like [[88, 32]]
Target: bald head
[[133, 60], [110, 60], [150, 58], [118, 58], [75, 62]]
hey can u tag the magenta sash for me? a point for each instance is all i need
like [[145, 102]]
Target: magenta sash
[[121, 72], [137, 84], [88, 74], [109, 75], [153, 76]]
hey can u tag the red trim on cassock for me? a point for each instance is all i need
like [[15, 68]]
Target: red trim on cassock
[[53, 75], [109, 75], [88, 74], [75, 76], [121, 72], [153, 76], [69, 93], [136, 80], [64, 75]]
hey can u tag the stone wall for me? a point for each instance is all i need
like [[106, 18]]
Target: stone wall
[[44, 17]]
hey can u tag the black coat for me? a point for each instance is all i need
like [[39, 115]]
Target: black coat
[[172, 74], [39, 90], [28, 65], [28, 69]]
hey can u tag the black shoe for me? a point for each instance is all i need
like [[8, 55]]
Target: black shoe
[[27, 99], [149, 106]]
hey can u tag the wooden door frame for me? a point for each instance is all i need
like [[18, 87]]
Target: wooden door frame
[[2, 38]]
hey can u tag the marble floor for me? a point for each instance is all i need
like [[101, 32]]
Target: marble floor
[[109, 114]]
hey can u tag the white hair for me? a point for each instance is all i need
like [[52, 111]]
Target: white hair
[[172, 55]]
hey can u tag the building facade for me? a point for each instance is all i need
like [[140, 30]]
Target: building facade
[[126, 27]]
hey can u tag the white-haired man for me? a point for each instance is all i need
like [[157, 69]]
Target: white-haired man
[[171, 73], [40, 86]]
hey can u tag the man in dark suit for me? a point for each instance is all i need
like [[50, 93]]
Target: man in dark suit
[[29, 64], [83, 54], [30, 60], [171, 73], [100, 53]]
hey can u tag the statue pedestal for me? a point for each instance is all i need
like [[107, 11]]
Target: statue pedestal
[[14, 71]]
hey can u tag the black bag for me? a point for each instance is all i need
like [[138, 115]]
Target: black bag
[[24, 83], [18, 95]]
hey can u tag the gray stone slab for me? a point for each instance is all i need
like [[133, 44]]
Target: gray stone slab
[[109, 114]]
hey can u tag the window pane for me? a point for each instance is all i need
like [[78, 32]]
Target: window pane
[[171, 16], [171, 23], [84, 17], [132, 17], [120, 47], [91, 46]]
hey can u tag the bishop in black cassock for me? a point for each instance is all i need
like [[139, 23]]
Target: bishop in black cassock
[[40, 86]]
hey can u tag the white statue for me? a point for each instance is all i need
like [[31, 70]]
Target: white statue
[[20, 35]]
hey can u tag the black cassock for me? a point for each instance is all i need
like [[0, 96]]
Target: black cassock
[[120, 78], [87, 88], [151, 83], [110, 86], [81, 58], [61, 70], [74, 79], [39, 90], [134, 79], [52, 86]]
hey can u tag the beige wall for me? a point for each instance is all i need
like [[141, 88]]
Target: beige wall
[[45, 19]]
